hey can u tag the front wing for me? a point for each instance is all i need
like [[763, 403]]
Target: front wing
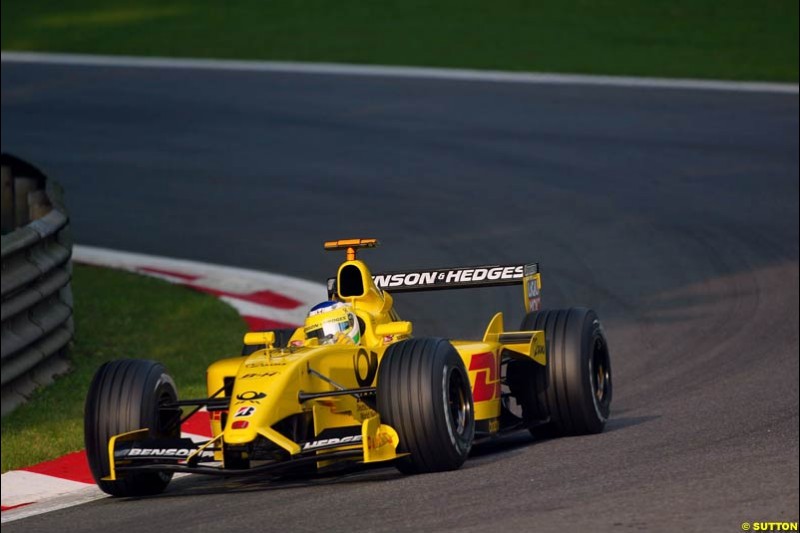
[[136, 451]]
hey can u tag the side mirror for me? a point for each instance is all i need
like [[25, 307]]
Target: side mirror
[[393, 328], [255, 338]]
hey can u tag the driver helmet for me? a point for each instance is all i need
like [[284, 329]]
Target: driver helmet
[[332, 323]]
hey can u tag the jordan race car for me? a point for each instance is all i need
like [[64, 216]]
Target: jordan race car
[[292, 403]]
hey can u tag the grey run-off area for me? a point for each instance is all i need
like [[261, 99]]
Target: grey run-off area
[[673, 213]]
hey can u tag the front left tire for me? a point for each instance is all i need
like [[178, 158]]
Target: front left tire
[[126, 395]]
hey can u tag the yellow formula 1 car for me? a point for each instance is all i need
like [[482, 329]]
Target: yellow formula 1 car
[[353, 385]]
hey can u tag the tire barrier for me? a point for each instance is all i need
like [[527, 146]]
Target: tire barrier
[[37, 324]]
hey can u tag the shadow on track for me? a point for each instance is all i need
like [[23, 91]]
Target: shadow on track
[[487, 451]]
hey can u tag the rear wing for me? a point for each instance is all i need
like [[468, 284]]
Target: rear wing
[[527, 275]]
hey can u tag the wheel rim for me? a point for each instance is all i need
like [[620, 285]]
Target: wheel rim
[[458, 403], [168, 419], [600, 372]]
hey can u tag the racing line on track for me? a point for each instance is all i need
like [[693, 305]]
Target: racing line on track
[[262, 299]]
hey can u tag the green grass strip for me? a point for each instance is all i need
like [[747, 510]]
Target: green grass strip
[[735, 39], [121, 315]]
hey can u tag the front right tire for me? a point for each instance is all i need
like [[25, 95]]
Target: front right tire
[[424, 394]]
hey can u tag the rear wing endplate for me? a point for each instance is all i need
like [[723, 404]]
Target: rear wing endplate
[[527, 275]]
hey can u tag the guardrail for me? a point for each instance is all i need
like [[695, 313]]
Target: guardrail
[[36, 308]]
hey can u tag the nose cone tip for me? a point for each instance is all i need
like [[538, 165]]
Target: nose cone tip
[[239, 435]]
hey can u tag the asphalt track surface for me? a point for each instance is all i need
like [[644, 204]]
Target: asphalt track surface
[[673, 213]]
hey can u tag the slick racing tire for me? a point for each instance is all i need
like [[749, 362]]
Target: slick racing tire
[[282, 337], [424, 394], [125, 395], [574, 388]]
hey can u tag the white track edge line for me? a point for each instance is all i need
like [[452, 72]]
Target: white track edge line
[[345, 69], [300, 289], [83, 495]]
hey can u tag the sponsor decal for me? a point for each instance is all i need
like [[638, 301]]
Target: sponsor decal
[[266, 362], [245, 411], [381, 439], [240, 424], [533, 291], [165, 452], [259, 375], [426, 278], [364, 411], [250, 396], [538, 350], [533, 288], [365, 367], [331, 442], [159, 452], [487, 378]]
